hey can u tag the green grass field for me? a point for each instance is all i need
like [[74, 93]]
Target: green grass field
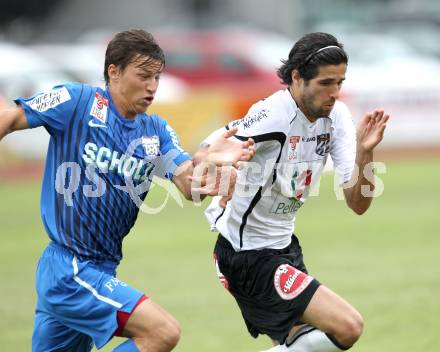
[[386, 263]]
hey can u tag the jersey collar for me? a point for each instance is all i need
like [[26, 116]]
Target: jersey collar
[[129, 123], [297, 111]]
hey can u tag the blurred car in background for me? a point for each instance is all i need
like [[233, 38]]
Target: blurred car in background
[[385, 72], [83, 62], [216, 58], [241, 63], [23, 72], [421, 31]]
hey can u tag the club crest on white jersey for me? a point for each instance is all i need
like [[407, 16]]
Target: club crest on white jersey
[[322, 144], [293, 143]]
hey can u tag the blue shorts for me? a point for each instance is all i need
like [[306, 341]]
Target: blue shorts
[[78, 302]]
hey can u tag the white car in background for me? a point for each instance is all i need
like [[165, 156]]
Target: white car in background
[[24, 73], [384, 72]]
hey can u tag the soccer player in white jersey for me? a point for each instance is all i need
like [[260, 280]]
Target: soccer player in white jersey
[[105, 144], [258, 258]]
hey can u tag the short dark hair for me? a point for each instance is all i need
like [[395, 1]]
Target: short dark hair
[[125, 47], [306, 56]]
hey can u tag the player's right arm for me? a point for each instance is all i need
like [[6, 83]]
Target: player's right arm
[[51, 109], [12, 119]]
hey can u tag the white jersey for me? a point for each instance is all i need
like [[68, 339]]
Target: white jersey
[[291, 154]]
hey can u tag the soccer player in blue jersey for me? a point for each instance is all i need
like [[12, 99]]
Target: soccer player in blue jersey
[[103, 152]]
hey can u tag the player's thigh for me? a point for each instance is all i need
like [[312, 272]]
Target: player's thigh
[[150, 319], [51, 335], [331, 313]]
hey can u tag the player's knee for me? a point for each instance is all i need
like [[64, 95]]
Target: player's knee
[[173, 334], [351, 329], [169, 334], [164, 338]]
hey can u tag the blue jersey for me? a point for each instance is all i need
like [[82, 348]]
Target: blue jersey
[[99, 167]]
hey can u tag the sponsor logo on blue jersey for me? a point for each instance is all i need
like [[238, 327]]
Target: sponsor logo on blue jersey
[[108, 160]]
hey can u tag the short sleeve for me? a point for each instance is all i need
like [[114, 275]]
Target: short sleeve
[[259, 120], [172, 154], [343, 147], [52, 109], [264, 124]]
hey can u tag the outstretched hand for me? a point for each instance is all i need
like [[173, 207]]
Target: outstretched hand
[[370, 129], [224, 150], [215, 166], [219, 181]]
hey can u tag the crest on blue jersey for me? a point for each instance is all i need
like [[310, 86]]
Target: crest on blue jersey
[[151, 145]]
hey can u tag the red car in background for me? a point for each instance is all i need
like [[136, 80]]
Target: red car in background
[[239, 63]]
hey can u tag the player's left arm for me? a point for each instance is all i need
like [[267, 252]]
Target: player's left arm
[[370, 131]]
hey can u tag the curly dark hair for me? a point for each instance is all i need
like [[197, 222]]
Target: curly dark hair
[[308, 54], [127, 46]]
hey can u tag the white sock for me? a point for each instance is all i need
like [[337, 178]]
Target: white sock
[[279, 348], [310, 339], [307, 339]]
